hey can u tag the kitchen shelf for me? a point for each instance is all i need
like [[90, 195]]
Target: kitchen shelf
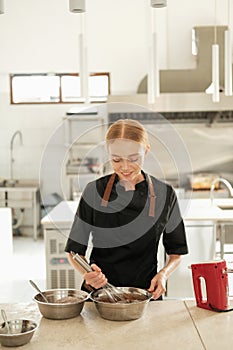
[[82, 154]]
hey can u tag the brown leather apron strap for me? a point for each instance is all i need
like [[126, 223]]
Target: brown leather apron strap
[[108, 190], [152, 197]]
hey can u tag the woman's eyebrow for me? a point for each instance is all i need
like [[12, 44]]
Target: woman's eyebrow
[[130, 155]]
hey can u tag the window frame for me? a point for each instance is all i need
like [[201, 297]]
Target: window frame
[[60, 75]]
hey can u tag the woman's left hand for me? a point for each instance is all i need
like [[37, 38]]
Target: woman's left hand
[[158, 282], [158, 285]]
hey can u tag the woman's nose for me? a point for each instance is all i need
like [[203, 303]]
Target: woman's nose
[[125, 163]]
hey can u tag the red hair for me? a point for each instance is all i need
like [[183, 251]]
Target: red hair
[[129, 129]]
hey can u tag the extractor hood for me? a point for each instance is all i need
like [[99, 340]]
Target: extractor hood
[[183, 96], [176, 107]]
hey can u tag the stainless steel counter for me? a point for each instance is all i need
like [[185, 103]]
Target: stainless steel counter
[[23, 197]]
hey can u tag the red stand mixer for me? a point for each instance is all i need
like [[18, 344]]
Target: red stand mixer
[[214, 275]]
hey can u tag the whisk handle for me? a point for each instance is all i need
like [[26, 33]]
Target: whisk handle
[[81, 262]]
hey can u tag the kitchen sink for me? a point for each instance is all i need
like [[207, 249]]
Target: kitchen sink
[[19, 183]]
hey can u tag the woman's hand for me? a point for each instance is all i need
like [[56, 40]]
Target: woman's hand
[[158, 282], [95, 278], [158, 285]]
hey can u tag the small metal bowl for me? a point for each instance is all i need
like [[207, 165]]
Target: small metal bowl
[[122, 311], [60, 311], [21, 332]]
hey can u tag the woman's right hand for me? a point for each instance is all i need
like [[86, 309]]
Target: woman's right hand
[[95, 278]]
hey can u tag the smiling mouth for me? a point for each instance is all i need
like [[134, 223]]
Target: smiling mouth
[[126, 174]]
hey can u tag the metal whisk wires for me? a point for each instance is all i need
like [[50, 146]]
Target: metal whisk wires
[[114, 293]]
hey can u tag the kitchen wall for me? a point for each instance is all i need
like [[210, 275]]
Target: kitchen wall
[[42, 36]]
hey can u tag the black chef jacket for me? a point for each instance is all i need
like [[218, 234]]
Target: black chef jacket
[[124, 237]]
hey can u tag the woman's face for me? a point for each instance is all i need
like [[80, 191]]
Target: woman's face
[[127, 158]]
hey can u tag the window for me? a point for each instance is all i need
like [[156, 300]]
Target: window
[[57, 88]]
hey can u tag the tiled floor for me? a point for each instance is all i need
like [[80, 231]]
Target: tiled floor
[[27, 262]]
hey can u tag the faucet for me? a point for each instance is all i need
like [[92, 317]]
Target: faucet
[[225, 182], [18, 132]]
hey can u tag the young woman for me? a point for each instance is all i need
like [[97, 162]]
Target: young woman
[[125, 214]]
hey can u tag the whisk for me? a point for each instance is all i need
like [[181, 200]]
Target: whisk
[[114, 293]]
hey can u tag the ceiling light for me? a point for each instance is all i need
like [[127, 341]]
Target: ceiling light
[[1, 7], [215, 72], [158, 3], [153, 77], [153, 81], [228, 57], [83, 68], [77, 6], [215, 62]]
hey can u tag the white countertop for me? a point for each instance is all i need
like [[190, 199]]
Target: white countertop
[[192, 210], [61, 216], [202, 209]]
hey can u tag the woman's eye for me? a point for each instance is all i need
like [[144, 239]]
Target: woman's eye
[[133, 160]]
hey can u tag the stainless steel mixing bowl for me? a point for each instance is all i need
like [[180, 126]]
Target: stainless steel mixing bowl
[[60, 311], [21, 332], [122, 311]]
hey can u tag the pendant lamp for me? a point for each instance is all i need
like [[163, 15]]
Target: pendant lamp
[[77, 6], [228, 57], [83, 68], [153, 80], [153, 76], [1, 7], [215, 73], [215, 62], [158, 3]]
